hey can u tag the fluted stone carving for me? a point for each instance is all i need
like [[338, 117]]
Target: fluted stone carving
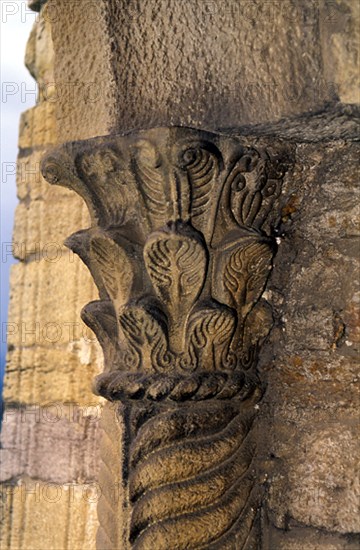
[[181, 246]]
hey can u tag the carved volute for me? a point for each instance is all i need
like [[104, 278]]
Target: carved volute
[[181, 246]]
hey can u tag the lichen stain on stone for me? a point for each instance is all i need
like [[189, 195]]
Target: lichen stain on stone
[[290, 208], [338, 331]]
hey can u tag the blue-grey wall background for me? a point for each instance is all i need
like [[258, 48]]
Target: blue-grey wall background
[[18, 93]]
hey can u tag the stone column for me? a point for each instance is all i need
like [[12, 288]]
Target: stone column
[[181, 246]]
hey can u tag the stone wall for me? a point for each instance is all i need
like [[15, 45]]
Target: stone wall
[[285, 69], [49, 431]]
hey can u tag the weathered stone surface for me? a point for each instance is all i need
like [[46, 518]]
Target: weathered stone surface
[[39, 286], [29, 370], [340, 29], [50, 365], [39, 516], [209, 64], [29, 181], [112, 511], [39, 57], [313, 350], [334, 123], [37, 126], [257, 71], [85, 105], [31, 437], [44, 339], [322, 489], [35, 237], [301, 538]]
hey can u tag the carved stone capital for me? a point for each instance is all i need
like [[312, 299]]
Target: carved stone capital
[[181, 246]]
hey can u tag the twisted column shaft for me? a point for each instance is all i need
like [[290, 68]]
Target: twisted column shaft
[[181, 247]]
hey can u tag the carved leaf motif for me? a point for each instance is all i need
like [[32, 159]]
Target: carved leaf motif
[[270, 191], [244, 182], [176, 262], [148, 346], [115, 269], [210, 332], [106, 186], [246, 273], [188, 464], [252, 194], [153, 186], [100, 164], [202, 164]]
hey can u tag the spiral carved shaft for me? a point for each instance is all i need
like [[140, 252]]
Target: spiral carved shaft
[[193, 479], [181, 246]]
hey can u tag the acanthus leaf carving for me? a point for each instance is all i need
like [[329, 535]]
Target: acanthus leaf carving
[[181, 248], [210, 331], [147, 343], [149, 169], [176, 262], [246, 270], [202, 163], [115, 269]]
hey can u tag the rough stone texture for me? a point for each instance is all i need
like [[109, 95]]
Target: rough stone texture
[[29, 370], [32, 436], [202, 63], [313, 396], [43, 516], [301, 538], [37, 127], [39, 56], [340, 29], [248, 66], [334, 122], [111, 509], [52, 354], [41, 339], [85, 84], [36, 238]]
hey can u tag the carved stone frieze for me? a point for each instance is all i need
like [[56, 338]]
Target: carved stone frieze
[[181, 246]]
